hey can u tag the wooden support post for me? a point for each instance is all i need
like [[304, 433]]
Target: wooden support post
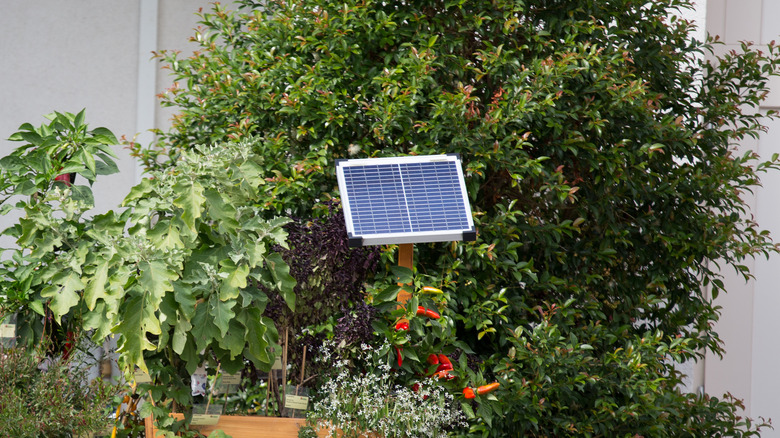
[[405, 259]]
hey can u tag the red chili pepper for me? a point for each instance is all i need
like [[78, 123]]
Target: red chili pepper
[[444, 367], [422, 311], [444, 363], [400, 357], [433, 359], [416, 387], [468, 393], [402, 325], [484, 389]]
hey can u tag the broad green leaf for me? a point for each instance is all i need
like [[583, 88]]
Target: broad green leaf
[[252, 172], [98, 321], [234, 281], [284, 282], [256, 252], [37, 307], [63, 294], [88, 160], [184, 296], [191, 357], [257, 343], [180, 331], [203, 329], [253, 296], [156, 279], [190, 200], [220, 211], [388, 294], [32, 138], [222, 312], [132, 331], [403, 275], [106, 166], [165, 234], [96, 285], [234, 340], [141, 190], [106, 133], [115, 291], [78, 121], [29, 229]]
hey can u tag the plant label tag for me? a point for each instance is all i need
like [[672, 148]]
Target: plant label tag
[[228, 384], [141, 377], [231, 379], [205, 419], [7, 330], [277, 363], [296, 402]]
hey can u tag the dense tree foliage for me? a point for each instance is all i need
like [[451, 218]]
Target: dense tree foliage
[[598, 146]]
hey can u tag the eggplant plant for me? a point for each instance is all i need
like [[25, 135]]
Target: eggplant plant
[[177, 275]]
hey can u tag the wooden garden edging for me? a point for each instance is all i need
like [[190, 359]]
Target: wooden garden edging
[[243, 426]]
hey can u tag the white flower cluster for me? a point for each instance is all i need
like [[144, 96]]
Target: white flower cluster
[[371, 404]]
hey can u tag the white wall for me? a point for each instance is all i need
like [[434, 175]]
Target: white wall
[[88, 59], [93, 54], [749, 324]]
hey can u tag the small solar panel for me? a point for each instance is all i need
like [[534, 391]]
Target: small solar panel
[[404, 200]]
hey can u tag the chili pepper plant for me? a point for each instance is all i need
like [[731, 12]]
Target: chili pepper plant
[[364, 397], [403, 382]]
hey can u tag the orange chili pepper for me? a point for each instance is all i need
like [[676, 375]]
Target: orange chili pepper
[[468, 393], [443, 374], [484, 389]]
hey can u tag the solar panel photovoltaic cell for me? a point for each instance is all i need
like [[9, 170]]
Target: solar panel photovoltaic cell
[[405, 200]]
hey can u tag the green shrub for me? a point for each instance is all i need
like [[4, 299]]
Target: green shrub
[[45, 398], [598, 142]]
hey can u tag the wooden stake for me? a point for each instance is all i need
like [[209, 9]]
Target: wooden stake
[[303, 369], [284, 368], [406, 260]]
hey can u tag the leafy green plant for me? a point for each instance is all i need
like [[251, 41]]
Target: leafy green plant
[[576, 378], [42, 398], [598, 142], [176, 275], [48, 236]]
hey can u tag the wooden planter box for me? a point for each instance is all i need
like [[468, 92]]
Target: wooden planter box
[[240, 426]]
